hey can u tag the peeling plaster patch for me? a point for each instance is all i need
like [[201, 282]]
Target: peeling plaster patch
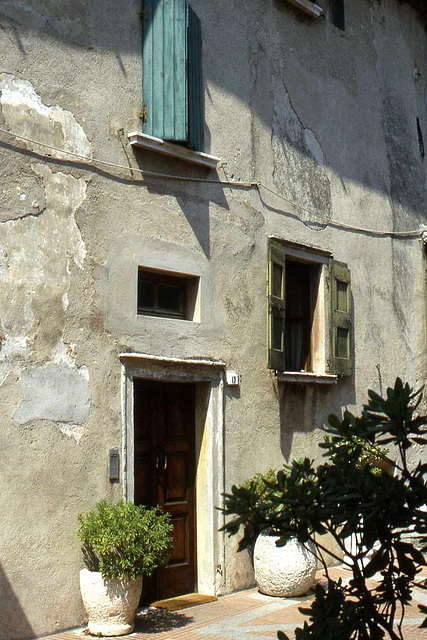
[[297, 153], [5, 370], [64, 353], [22, 194], [74, 431], [26, 115], [35, 258], [65, 301], [313, 146], [56, 393], [64, 194]]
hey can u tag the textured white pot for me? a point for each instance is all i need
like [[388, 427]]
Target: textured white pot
[[110, 604], [287, 571]]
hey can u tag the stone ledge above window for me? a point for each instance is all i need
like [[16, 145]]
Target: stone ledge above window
[[305, 377], [144, 141], [307, 7]]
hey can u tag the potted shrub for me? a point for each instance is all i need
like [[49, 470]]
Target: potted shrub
[[285, 570], [121, 542]]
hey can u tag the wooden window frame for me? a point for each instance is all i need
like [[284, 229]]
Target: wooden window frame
[[183, 282], [326, 319]]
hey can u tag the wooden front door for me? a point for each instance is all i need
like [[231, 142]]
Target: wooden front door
[[164, 419]]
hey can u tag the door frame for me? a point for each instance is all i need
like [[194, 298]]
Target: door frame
[[208, 377]]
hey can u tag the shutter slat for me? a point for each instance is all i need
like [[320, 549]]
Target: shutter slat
[[341, 312], [165, 81], [276, 307], [195, 85], [157, 48], [148, 25], [169, 70], [180, 72]]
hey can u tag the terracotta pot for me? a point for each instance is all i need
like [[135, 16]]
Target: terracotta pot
[[111, 604], [287, 571]]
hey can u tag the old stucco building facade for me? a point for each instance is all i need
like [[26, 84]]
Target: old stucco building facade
[[323, 128]]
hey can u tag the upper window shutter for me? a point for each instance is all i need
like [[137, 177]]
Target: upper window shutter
[[276, 306], [195, 86], [172, 86], [340, 355]]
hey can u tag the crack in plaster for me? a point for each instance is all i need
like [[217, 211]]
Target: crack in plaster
[[296, 152], [24, 216]]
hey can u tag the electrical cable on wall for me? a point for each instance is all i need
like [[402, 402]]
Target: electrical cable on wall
[[412, 234]]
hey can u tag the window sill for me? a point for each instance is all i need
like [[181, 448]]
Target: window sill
[[307, 7], [144, 141], [306, 377]]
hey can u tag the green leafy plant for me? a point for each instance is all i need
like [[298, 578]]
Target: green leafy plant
[[123, 540], [252, 506], [359, 451], [344, 497]]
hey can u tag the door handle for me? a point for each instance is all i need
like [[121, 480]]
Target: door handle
[[165, 463], [157, 462]]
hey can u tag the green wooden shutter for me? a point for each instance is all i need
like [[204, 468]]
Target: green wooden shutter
[[195, 86], [172, 80], [340, 349], [276, 306], [165, 80]]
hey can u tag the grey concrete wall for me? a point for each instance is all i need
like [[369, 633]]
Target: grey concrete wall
[[324, 118]]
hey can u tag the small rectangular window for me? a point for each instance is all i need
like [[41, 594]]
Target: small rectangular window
[[166, 294]]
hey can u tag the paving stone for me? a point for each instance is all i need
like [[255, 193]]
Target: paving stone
[[246, 615]]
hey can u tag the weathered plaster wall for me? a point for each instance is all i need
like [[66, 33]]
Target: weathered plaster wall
[[325, 119]]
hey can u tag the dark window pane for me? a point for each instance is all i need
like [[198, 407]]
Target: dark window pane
[[277, 333], [294, 345], [277, 286], [342, 296], [169, 297], [343, 337], [146, 294]]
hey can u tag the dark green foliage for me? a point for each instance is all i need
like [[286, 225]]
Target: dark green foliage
[[253, 506], [124, 540], [345, 496]]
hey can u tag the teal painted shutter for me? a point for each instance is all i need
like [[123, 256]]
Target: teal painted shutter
[[276, 306], [341, 360], [172, 78], [165, 80], [195, 86]]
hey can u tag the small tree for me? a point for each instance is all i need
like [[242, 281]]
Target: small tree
[[344, 497]]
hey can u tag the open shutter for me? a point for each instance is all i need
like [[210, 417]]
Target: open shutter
[[195, 87], [165, 69], [172, 80], [276, 306], [340, 355]]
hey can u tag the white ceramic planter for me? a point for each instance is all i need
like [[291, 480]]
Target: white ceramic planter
[[110, 604], [287, 571]]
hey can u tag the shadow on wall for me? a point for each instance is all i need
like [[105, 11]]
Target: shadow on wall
[[13, 623], [304, 408], [193, 198]]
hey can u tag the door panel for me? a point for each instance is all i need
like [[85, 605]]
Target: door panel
[[164, 421]]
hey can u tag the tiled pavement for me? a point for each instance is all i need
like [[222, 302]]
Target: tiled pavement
[[246, 615]]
